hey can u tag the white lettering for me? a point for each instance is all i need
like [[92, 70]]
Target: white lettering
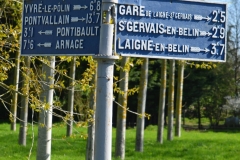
[[35, 9], [121, 9], [46, 20], [26, 8], [150, 45], [135, 26], [129, 26], [137, 44], [183, 16], [159, 47], [77, 31], [39, 8], [121, 26], [160, 14], [131, 10], [142, 11], [188, 32], [161, 29], [132, 44], [178, 48], [152, 28], [69, 44], [141, 27]]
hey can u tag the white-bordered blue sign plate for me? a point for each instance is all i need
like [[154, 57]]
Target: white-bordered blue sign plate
[[61, 27], [172, 29]]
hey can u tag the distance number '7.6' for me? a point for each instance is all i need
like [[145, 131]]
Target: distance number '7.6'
[[28, 44]]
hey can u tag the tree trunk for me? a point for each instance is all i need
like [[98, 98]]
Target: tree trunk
[[22, 139], [199, 115], [161, 110], [184, 117], [171, 100], [45, 115], [71, 96], [141, 106], [179, 99], [91, 128], [13, 115], [122, 112]]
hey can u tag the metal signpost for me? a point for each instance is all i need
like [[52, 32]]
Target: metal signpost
[[61, 27], [172, 29], [104, 99]]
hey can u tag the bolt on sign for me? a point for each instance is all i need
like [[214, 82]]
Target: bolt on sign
[[60, 27], [172, 29]]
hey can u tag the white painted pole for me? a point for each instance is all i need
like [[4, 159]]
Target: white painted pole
[[162, 101], [122, 112], [171, 100], [141, 107], [45, 116], [91, 128], [15, 93], [179, 99], [105, 59], [71, 96], [22, 139]]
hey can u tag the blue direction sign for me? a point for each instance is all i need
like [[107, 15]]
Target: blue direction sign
[[60, 27], [172, 29]]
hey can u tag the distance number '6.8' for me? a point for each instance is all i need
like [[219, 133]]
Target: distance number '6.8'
[[98, 7]]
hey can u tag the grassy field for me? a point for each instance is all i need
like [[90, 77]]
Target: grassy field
[[193, 145]]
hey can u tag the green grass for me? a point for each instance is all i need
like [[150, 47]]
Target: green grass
[[194, 121], [193, 145], [62, 148]]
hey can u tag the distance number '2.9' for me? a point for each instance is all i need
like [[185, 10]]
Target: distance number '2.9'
[[221, 31]]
